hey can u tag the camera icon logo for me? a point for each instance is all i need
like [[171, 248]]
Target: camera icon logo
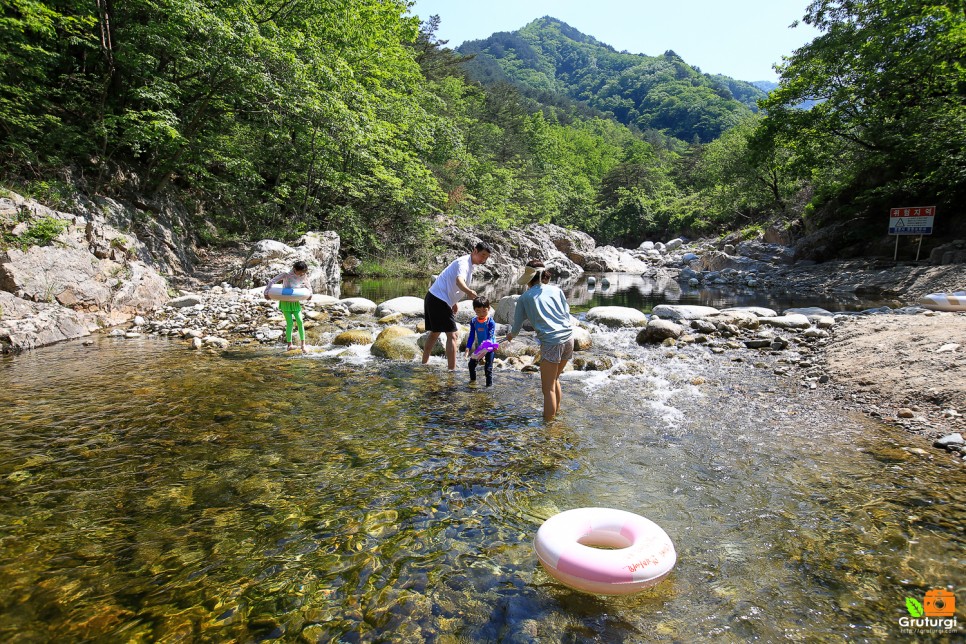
[[939, 602]]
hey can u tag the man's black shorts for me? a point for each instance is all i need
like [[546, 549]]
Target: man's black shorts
[[438, 315]]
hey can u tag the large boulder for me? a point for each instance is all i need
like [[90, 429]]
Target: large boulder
[[951, 253], [115, 291], [28, 325], [395, 348], [764, 252], [608, 259], [616, 316], [719, 261], [81, 264], [683, 311], [505, 309], [658, 330], [512, 249], [163, 228], [359, 305], [268, 258], [407, 305]]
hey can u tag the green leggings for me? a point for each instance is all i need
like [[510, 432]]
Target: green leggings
[[293, 315]]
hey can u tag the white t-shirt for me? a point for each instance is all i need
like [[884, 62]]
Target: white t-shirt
[[445, 287]]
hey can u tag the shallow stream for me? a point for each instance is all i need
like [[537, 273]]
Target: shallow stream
[[153, 493]]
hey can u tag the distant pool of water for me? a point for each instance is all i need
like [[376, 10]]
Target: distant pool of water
[[633, 291], [153, 493]]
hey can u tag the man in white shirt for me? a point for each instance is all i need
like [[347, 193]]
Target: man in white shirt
[[439, 309]]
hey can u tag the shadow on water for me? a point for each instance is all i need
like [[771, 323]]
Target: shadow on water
[[152, 493]]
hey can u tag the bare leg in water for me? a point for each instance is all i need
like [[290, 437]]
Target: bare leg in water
[[550, 384]]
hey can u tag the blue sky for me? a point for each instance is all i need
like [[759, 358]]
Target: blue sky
[[738, 38]]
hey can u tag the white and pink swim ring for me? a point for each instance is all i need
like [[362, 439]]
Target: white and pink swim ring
[[632, 553]]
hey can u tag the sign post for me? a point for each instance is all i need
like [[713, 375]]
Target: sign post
[[916, 220]]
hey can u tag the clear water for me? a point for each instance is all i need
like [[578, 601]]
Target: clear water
[[153, 493]]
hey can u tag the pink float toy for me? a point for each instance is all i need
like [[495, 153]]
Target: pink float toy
[[486, 345], [639, 554]]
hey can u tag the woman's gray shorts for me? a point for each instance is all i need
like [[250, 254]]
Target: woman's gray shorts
[[557, 353]]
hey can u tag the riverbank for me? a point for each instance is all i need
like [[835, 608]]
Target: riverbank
[[909, 370]]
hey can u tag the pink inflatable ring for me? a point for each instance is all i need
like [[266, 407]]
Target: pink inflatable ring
[[640, 555]]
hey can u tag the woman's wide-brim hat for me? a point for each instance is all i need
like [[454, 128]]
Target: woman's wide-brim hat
[[528, 275]]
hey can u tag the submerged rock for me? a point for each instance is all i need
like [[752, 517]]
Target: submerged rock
[[396, 348]]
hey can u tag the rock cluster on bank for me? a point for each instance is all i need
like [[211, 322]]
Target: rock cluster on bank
[[113, 262], [91, 275]]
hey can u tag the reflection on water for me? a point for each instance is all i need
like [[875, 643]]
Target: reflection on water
[[633, 291], [150, 493]]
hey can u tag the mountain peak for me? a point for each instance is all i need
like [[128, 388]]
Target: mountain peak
[[649, 92]]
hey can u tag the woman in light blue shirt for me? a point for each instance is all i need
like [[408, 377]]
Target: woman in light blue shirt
[[546, 307]]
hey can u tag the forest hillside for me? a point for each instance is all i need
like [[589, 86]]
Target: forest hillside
[[648, 92], [264, 119]]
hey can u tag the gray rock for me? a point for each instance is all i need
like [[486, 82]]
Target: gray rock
[[79, 274], [505, 309], [683, 311], [794, 321], [268, 258], [558, 247], [758, 343], [407, 305], [658, 330], [608, 259], [616, 316], [582, 339], [359, 305], [758, 311], [703, 326], [185, 301], [949, 441], [813, 313], [28, 325]]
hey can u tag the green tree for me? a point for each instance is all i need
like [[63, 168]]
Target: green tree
[[637, 198], [743, 179], [889, 127]]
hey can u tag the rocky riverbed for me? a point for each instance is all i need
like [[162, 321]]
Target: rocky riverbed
[[903, 365]]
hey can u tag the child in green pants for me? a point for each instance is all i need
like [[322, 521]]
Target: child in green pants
[[297, 278]]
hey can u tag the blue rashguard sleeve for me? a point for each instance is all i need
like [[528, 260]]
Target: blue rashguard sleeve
[[471, 335]]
